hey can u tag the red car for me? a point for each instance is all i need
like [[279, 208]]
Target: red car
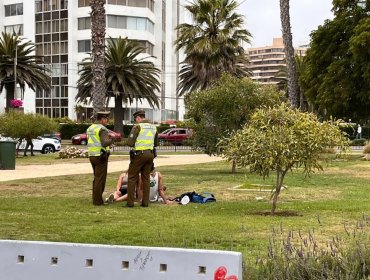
[[81, 139], [176, 136]]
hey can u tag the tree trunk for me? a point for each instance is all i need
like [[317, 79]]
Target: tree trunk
[[118, 114], [98, 53], [10, 94], [233, 167], [289, 53], [279, 183]]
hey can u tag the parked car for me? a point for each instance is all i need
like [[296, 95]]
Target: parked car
[[81, 139], [42, 144], [176, 136], [55, 135]]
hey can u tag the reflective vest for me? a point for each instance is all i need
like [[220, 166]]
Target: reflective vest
[[93, 140], [145, 139]]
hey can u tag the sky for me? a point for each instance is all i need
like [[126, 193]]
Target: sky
[[263, 19]]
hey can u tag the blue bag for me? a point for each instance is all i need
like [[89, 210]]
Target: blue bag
[[203, 197]]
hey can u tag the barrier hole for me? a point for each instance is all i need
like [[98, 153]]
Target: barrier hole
[[125, 265], [54, 261], [202, 270], [89, 263], [162, 267], [20, 259]]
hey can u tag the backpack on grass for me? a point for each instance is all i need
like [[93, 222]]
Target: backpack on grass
[[203, 197]]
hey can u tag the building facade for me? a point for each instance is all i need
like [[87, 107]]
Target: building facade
[[266, 62], [61, 31]]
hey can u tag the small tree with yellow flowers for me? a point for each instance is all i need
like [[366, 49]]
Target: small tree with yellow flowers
[[281, 139]]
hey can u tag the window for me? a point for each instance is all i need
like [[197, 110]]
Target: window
[[137, 3], [63, 47], [55, 25], [14, 10], [117, 22], [134, 3], [39, 49], [63, 25], [55, 5], [64, 69], [84, 46], [83, 3], [148, 47], [46, 5], [38, 6], [84, 23], [14, 29], [47, 27], [64, 91], [55, 47], [47, 48], [63, 4]]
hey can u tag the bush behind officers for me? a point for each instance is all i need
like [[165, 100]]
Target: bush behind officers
[[98, 142], [143, 138]]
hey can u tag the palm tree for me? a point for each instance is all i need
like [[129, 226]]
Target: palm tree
[[29, 70], [289, 54], [128, 77], [98, 45], [282, 77], [212, 44]]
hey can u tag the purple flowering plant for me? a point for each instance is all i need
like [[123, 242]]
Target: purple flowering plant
[[16, 103]]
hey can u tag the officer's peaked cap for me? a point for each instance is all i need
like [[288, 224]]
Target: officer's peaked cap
[[103, 114], [139, 113]]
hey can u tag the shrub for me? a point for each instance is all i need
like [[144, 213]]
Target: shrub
[[67, 130], [19, 125], [73, 152], [358, 142]]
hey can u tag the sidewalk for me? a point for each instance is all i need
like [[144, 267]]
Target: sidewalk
[[50, 170]]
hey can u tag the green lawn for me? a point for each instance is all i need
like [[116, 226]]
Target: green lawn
[[60, 209]]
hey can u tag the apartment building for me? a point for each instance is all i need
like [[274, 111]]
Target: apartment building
[[61, 32], [265, 62]]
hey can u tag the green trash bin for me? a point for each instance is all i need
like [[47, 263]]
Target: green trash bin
[[7, 154]]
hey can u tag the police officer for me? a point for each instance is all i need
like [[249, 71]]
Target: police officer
[[98, 141], [143, 138]]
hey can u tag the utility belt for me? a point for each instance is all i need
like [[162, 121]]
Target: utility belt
[[139, 152], [134, 153]]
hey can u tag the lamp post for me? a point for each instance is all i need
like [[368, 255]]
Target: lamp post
[[15, 63]]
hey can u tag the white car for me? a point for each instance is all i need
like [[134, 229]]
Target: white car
[[44, 145]]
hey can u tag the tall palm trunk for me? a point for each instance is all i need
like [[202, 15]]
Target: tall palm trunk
[[118, 114], [98, 47], [289, 53]]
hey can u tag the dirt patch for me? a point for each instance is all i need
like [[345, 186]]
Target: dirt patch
[[279, 213]]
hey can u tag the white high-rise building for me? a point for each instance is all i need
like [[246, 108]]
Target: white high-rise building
[[61, 32]]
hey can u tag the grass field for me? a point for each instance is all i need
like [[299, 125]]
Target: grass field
[[327, 204]]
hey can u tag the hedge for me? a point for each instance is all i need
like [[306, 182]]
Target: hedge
[[68, 130]]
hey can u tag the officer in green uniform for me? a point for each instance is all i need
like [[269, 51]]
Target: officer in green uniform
[[98, 142], [143, 138]]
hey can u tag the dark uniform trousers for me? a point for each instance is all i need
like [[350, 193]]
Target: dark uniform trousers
[[100, 167], [141, 162]]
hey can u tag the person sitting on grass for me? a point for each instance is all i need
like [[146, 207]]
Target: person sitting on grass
[[121, 189], [157, 189]]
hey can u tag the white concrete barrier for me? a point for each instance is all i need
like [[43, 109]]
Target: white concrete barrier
[[21, 260]]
